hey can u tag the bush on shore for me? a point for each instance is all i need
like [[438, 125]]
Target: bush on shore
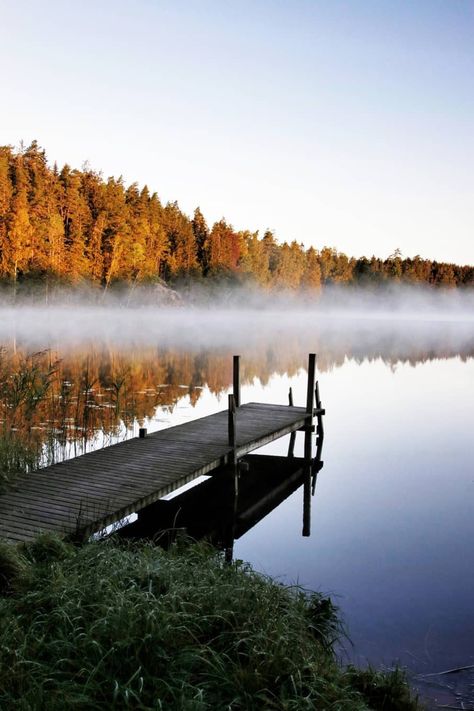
[[120, 626]]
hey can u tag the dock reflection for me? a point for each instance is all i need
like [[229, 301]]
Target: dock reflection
[[228, 504]]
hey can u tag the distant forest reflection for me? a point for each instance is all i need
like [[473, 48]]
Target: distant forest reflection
[[57, 402]]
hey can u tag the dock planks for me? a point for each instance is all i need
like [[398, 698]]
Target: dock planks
[[82, 495]]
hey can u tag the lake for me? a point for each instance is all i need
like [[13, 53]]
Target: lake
[[392, 514]]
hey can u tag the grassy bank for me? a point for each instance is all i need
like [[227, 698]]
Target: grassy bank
[[108, 626]]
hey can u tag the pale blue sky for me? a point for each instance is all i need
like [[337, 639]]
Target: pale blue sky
[[349, 124]]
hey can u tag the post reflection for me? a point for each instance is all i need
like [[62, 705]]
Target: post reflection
[[223, 508]]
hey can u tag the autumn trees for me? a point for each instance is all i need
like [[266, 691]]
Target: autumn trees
[[72, 225]]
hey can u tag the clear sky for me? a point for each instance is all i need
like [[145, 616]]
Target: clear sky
[[341, 123]]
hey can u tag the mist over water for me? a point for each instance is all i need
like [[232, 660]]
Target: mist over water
[[403, 324]]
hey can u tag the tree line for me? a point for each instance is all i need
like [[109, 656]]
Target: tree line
[[73, 225]]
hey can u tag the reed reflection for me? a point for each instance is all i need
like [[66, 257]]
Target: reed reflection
[[63, 401]]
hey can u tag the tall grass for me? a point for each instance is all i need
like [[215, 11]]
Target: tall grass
[[111, 626]]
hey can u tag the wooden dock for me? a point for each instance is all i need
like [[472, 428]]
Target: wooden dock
[[83, 495]]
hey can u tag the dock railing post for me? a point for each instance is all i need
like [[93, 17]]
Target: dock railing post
[[236, 380]]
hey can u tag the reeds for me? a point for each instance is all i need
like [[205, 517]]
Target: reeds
[[46, 417], [22, 391], [111, 626]]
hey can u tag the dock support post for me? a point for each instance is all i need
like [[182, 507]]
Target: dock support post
[[320, 427], [233, 442], [307, 475], [233, 466], [229, 534], [307, 504], [231, 421], [307, 445], [309, 408], [316, 394], [291, 445], [310, 390], [236, 380]]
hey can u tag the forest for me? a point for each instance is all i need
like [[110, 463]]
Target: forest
[[68, 226]]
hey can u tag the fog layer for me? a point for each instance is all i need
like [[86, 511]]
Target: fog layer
[[367, 323]]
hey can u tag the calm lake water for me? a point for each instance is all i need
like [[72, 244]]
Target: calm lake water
[[393, 512]]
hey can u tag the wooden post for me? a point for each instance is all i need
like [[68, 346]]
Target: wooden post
[[229, 533], [311, 379], [320, 427], [316, 395], [237, 380], [307, 504], [308, 445], [307, 482], [233, 464], [291, 445], [290, 397], [231, 421], [309, 409], [229, 551]]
